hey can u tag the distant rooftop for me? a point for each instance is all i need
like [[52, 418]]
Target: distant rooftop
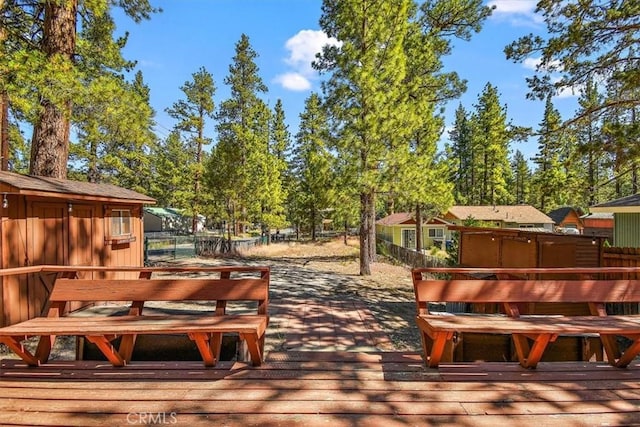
[[629, 204], [519, 214]]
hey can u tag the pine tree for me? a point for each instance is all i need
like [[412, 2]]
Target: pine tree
[[461, 158], [550, 177], [241, 169], [621, 129], [172, 162], [312, 163], [590, 150], [363, 92], [191, 114], [372, 81], [114, 127], [521, 178], [48, 67], [586, 38], [491, 149]]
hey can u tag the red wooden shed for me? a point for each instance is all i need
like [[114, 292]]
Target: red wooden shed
[[47, 221]]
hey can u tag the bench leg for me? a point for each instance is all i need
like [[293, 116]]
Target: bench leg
[[610, 348], [215, 345], [127, 343], [202, 342], [18, 348], [253, 345], [45, 344], [437, 348], [107, 349], [629, 354], [529, 358]]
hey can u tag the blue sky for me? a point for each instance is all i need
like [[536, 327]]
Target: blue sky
[[190, 34]]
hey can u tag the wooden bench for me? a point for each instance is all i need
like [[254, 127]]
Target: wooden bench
[[531, 334], [204, 328]]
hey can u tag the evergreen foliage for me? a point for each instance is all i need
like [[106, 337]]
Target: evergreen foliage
[[313, 166], [245, 170], [54, 56], [191, 114]]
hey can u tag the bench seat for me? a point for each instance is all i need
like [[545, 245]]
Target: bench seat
[[205, 328], [146, 324], [533, 324], [530, 334]]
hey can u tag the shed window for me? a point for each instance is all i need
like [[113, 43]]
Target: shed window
[[120, 222]]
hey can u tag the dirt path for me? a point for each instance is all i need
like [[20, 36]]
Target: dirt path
[[329, 271]]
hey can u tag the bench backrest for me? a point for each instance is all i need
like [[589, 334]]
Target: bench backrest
[[240, 289], [519, 291]]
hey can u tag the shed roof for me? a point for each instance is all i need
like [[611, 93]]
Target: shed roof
[[519, 214], [629, 204], [11, 182]]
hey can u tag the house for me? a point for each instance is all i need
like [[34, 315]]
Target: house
[[567, 220], [161, 220], [599, 224], [501, 216], [626, 220], [400, 229], [171, 220], [48, 221]]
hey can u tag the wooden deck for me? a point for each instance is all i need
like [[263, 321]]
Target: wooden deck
[[319, 388]]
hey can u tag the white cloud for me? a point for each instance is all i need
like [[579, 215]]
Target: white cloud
[[521, 7], [517, 12], [531, 63], [303, 48], [293, 81], [569, 92], [535, 64]]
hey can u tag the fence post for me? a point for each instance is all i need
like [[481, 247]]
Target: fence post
[[175, 247]]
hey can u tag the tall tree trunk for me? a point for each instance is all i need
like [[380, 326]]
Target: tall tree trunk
[[365, 259], [418, 228], [50, 142], [4, 130], [313, 223], [372, 227], [346, 232]]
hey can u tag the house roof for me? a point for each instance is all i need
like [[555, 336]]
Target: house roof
[[161, 212], [14, 183], [519, 214], [629, 204], [560, 214], [397, 218], [406, 218], [598, 215]]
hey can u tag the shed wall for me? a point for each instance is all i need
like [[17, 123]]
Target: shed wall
[[42, 231]]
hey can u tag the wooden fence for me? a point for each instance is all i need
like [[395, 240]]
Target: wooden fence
[[622, 257], [412, 258]]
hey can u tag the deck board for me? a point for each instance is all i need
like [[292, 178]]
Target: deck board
[[320, 388]]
